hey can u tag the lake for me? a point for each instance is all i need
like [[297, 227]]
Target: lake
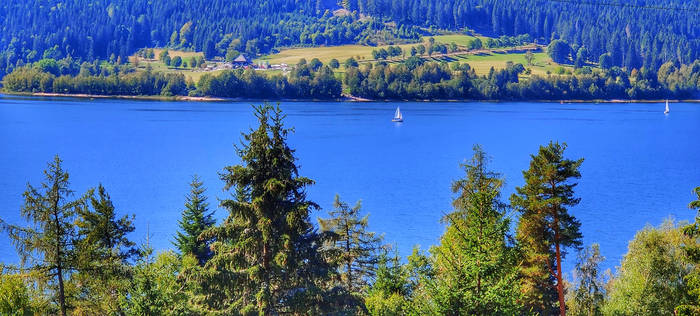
[[640, 165]]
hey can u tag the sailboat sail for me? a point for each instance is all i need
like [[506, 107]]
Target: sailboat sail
[[397, 115], [667, 109]]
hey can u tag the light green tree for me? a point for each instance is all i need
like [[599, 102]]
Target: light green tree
[[475, 264], [651, 279]]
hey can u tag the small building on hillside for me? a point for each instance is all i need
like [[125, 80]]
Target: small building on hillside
[[241, 61]]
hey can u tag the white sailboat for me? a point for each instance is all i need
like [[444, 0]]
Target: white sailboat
[[397, 116], [667, 109]]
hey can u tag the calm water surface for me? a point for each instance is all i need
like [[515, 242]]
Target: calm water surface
[[640, 165]]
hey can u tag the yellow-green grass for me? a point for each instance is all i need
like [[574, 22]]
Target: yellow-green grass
[[158, 66], [482, 63], [325, 54], [459, 39], [183, 54]]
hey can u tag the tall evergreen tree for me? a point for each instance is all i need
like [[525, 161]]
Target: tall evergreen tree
[[475, 269], [546, 228], [103, 252], [196, 218], [352, 249], [47, 244], [266, 253]]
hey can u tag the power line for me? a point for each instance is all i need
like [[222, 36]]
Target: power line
[[625, 5]]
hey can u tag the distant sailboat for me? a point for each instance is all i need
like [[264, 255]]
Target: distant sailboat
[[397, 116], [667, 109]]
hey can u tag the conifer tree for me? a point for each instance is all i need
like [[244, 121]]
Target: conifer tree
[[546, 228], [474, 264], [103, 251], [266, 252], [196, 218], [46, 246], [352, 249]]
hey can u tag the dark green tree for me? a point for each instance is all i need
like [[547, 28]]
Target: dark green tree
[[47, 245], [546, 228], [559, 51], [266, 252], [475, 263], [334, 63], [196, 218], [103, 252], [352, 249]]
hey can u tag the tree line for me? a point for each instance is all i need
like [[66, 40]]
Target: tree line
[[267, 257], [409, 79], [311, 81]]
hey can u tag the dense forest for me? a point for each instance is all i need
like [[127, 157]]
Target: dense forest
[[267, 257], [640, 33]]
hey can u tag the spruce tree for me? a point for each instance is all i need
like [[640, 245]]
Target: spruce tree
[[46, 246], [546, 228], [266, 252], [103, 253], [352, 249], [196, 218], [474, 264]]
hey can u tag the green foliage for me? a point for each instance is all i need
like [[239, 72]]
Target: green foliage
[[388, 296], [196, 218], [266, 253], [546, 228], [651, 278], [155, 287], [475, 266], [587, 298], [47, 245], [104, 253], [692, 251], [334, 63], [559, 51], [15, 298], [351, 249]]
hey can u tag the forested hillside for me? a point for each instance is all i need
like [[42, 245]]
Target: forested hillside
[[638, 33]]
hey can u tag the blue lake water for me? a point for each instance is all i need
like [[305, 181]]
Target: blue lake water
[[640, 166]]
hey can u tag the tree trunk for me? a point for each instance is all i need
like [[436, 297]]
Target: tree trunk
[[560, 283], [59, 262]]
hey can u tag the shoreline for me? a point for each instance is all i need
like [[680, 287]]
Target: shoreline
[[344, 98]]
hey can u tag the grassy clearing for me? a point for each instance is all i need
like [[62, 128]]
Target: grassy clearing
[[482, 63], [183, 54], [459, 39]]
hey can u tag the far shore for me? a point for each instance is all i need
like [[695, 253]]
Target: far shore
[[344, 98]]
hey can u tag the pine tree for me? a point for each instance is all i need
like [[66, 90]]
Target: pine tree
[[196, 218], [352, 249], [46, 245], [474, 264], [546, 228], [266, 252], [103, 252]]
